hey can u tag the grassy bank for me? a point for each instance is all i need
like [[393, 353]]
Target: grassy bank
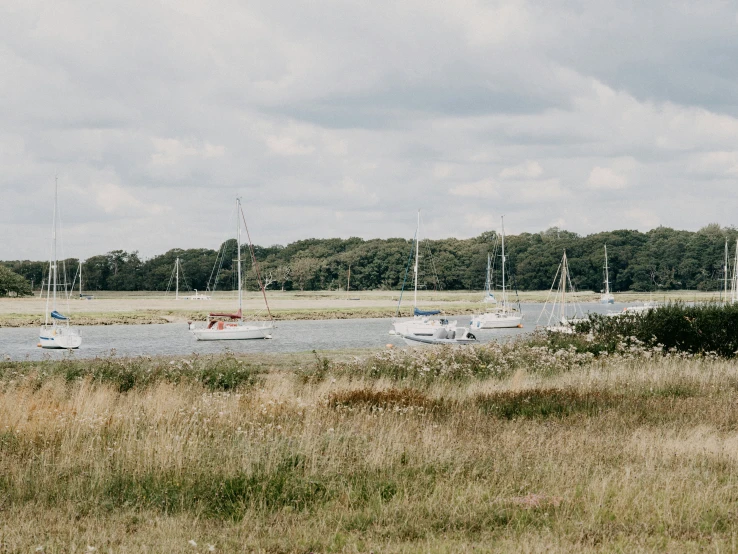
[[512, 447]]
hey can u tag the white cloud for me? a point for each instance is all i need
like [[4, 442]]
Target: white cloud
[[288, 146], [606, 178], [463, 108], [486, 188], [112, 198], [526, 170]]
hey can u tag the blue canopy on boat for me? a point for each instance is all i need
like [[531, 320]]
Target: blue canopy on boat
[[426, 312], [57, 315]]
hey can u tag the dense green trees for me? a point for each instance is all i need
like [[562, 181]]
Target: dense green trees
[[12, 284], [661, 259]]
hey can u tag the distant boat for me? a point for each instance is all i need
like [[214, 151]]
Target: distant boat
[[607, 297], [230, 326], [440, 336], [563, 312], [503, 316], [56, 331], [422, 320], [175, 275]]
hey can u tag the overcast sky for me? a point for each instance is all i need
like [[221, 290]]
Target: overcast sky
[[338, 119]]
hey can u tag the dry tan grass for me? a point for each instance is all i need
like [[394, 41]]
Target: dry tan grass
[[357, 464]]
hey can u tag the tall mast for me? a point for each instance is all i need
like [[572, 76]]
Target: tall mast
[[53, 237], [607, 274], [415, 268], [488, 284], [734, 283], [176, 265], [725, 273], [238, 242], [504, 297], [564, 277], [80, 278]]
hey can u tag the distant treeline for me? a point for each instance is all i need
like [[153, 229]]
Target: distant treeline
[[661, 259]]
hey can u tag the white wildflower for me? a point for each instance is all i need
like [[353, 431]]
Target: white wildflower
[[191, 542]]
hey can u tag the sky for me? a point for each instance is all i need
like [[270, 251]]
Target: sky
[[340, 119]]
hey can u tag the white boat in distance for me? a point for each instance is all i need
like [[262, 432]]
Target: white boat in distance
[[607, 297], [56, 331], [175, 276], [422, 321], [563, 313], [226, 326], [503, 317], [440, 336]]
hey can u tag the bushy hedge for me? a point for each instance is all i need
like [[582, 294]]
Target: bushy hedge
[[698, 329]]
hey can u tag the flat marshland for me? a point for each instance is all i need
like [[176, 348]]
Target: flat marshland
[[122, 308], [506, 447]]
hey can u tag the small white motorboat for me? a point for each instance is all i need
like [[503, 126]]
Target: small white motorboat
[[441, 335]]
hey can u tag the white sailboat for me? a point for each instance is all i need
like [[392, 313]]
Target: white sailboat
[[504, 316], [422, 322], [175, 276], [489, 297], [607, 297], [563, 312], [226, 326], [56, 331]]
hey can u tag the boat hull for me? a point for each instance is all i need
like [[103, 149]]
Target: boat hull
[[420, 326], [495, 321], [234, 332], [414, 340], [58, 337]]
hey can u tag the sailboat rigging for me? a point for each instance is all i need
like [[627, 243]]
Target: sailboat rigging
[[231, 326], [563, 313], [504, 316], [56, 331], [422, 323], [607, 297]]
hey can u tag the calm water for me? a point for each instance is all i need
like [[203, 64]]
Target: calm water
[[290, 336]]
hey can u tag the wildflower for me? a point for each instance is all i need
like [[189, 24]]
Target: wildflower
[[91, 548], [191, 542], [211, 548]]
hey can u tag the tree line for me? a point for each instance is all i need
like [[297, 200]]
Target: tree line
[[660, 259]]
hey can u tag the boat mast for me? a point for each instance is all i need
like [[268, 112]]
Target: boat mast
[[488, 283], [504, 296], [564, 277], [53, 238], [80, 278], [238, 242], [734, 280], [725, 273], [415, 268], [607, 275], [176, 265]]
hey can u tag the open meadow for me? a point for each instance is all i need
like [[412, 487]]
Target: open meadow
[[515, 447], [116, 308]]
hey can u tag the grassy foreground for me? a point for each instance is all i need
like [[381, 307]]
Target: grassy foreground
[[500, 447]]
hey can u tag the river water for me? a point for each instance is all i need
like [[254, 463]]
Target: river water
[[290, 336]]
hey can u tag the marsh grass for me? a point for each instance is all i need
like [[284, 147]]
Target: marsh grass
[[532, 451]]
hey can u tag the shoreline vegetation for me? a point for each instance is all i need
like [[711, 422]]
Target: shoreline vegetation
[[120, 308], [527, 445]]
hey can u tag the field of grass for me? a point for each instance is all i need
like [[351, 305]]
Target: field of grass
[[508, 447]]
